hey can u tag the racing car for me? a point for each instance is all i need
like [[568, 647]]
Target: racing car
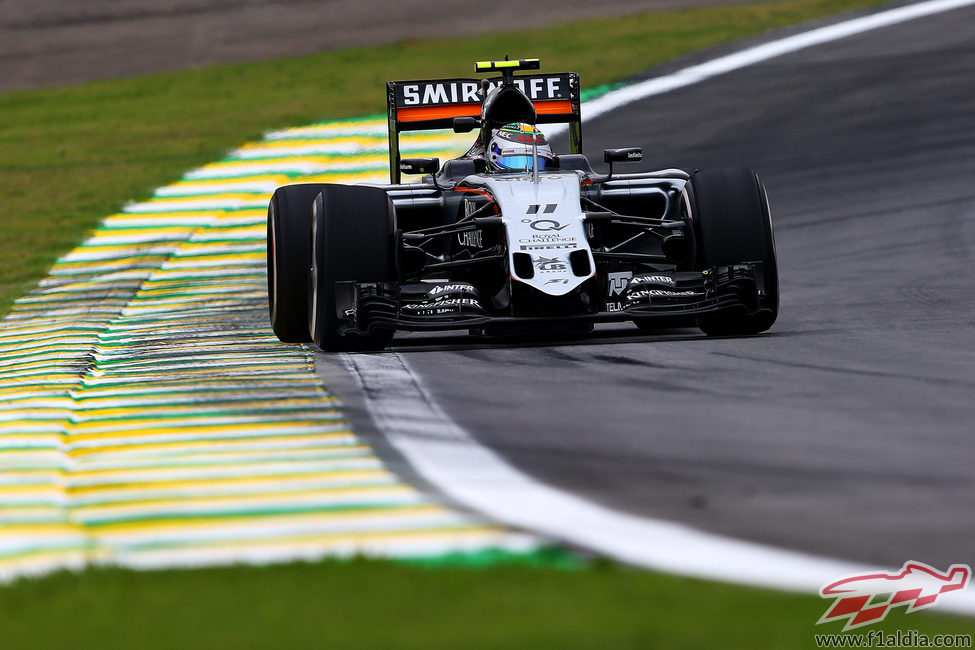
[[511, 235]]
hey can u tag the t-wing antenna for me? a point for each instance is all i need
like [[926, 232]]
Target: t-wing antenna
[[507, 102], [507, 68]]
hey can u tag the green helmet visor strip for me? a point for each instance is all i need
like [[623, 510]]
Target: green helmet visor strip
[[513, 147]]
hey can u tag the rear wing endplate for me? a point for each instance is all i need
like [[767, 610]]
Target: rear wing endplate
[[433, 104]]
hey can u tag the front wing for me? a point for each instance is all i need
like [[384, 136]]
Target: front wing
[[644, 297]]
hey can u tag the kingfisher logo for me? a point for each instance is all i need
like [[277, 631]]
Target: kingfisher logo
[[867, 598]]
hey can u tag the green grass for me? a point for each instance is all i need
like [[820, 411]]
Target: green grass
[[383, 605], [70, 156]]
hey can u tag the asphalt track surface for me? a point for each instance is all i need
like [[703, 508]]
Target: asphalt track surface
[[51, 42], [847, 429]]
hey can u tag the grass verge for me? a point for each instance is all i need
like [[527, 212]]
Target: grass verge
[[379, 604], [70, 156]]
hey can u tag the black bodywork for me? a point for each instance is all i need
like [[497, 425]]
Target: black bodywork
[[453, 267]]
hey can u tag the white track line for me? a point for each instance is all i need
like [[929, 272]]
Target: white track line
[[445, 454], [451, 459]]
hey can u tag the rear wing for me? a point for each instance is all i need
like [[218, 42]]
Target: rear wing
[[433, 104]]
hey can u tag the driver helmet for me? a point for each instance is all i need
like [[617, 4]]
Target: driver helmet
[[510, 148]]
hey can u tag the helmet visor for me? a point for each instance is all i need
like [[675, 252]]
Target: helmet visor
[[520, 162]]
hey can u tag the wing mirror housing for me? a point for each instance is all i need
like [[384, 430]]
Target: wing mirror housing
[[627, 154], [419, 165], [422, 166], [466, 124]]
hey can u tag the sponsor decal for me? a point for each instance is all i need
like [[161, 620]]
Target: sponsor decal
[[445, 299], [617, 282], [548, 208], [867, 598], [655, 279], [466, 91], [470, 207], [557, 281], [473, 238], [547, 239], [549, 264], [545, 225], [614, 306], [444, 305], [657, 293], [451, 288], [447, 302], [547, 247], [634, 154]]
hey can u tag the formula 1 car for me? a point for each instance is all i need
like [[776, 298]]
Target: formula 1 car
[[478, 248]]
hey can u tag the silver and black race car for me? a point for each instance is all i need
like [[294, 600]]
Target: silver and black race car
[[480, 246]]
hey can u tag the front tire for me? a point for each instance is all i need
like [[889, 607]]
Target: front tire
[[733, 225], [289, 258], [352, 240]]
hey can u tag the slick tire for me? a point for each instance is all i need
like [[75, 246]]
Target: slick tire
[[352, 240], [732, 225], [289, 259]]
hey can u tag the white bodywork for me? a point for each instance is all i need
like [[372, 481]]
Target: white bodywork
[[544, 220]]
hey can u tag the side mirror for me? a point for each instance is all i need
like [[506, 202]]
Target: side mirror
[[466, 124], [629, 154], [419, 165]]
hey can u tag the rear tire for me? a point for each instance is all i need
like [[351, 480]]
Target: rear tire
[[288, 260], [352, 240], [732, 225]]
